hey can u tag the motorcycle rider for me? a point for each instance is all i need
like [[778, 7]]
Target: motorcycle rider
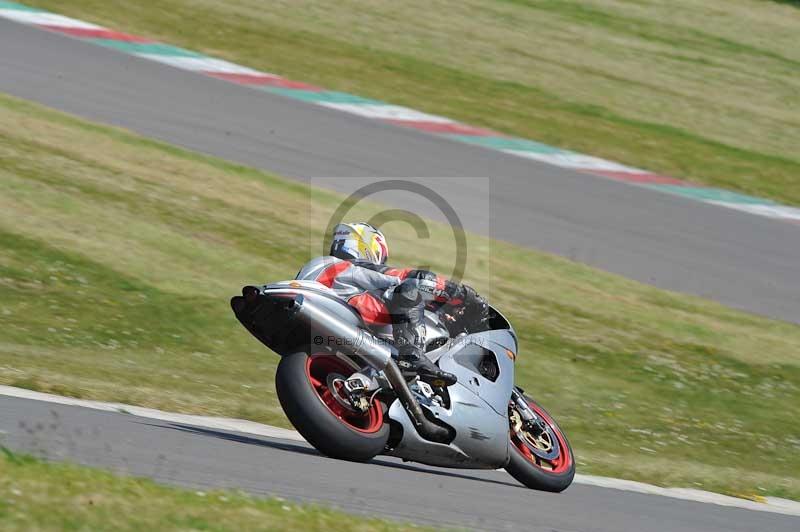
[[391, 301]]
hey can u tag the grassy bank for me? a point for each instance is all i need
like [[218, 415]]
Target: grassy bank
[[118, 255], [38, 496], [700, 90]]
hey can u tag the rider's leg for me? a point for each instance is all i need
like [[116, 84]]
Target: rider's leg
[[407, 311]]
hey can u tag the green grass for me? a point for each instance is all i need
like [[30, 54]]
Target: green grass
[[118, 255], [700, 90], [37, 496]]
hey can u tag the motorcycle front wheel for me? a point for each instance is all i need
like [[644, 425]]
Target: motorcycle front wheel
[[541, 456], [309, 388]]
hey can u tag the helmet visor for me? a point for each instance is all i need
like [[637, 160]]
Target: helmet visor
[[348, 248]]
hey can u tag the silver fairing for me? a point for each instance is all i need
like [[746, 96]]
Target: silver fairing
[[478, 407]]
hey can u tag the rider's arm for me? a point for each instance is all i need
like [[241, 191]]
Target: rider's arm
[[458, 301], [331, 271], [431, 286], [436, 288], [367, 278]]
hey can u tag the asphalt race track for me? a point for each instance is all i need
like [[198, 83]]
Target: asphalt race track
[[488, 500], [738, 259]]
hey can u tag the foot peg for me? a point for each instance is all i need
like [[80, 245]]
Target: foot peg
[[412, 366]]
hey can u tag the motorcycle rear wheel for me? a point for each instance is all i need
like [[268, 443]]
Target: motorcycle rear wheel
[[527, 465], [303, 384]]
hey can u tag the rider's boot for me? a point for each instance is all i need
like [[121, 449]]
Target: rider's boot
[[407, 310], [413, 362]]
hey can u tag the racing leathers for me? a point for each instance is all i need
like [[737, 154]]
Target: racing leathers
[[392, 301]]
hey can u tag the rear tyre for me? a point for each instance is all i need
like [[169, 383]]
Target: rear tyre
[[307, 386], [542, 460]]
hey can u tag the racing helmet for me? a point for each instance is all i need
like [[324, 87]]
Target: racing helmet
[[359, 241]]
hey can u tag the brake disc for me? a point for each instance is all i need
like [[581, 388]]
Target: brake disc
[[338, 391], [544, 445]]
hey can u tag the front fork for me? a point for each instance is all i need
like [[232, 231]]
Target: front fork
[[529, 418]]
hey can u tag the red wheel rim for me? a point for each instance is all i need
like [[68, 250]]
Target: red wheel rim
[[560, 463], [318, 367]]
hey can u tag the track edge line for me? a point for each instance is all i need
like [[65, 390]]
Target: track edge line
[[769, 504]]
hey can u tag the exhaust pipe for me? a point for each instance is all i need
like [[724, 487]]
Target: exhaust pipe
[[377, 353], [425, 427], [356, 341]]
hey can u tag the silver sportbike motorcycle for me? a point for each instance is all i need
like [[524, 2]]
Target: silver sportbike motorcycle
[[340, 387]]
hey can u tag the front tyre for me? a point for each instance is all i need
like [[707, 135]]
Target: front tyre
[[307, 387], [541, 457]]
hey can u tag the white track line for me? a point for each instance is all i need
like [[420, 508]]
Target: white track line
[[201, 64], [219, 423], [46, 19], [771, 211], [578, 161], [770, 504], [381, 111]]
